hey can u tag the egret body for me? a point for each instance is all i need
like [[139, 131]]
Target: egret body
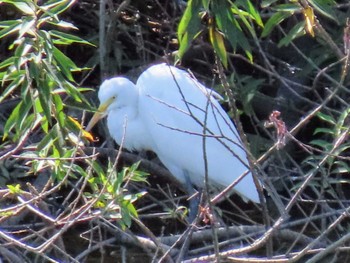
[[173, 115]]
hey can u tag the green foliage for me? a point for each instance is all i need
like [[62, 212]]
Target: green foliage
[[115, 201], [248, 88], [333, 146], [37, 69], [284, 11], [225, 20], [41, 78]]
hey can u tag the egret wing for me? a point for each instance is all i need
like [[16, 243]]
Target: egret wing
[[189, 126]]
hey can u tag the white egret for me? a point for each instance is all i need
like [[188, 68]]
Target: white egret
[[173, 115]]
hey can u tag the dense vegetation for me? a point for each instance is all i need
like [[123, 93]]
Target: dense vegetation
[[282, 67]]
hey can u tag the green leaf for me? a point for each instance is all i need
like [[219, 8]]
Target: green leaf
[[273, 21], [326, 118], [224, 20], [15, 26], [73, 92], [21, 52], [295, 32], [7, 62], [39, 112], [56, 7], [46, 143], [253, 13], [27, 7], [66, 65], [11, 87], [14, 189], [205, 4], [323, 131], [227, 23], [292, 8], [66, 39], [26, 25], [189, 26], [44, 92], [267, 3], [63, 24], [217, 42], [12, 119], [325, 7], [322, 143], [60, 116]]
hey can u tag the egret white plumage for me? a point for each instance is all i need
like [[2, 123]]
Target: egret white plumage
[[173, 115]]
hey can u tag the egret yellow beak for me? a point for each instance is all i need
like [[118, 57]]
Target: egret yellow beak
[[100, 113]]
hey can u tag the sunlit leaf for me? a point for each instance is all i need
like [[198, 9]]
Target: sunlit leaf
[[66, 39], [11, 87], [217, 42], [27, 7], [253, 13], [12, 119], [26, 25], [14, 189], [309, 20], [65, 63], [15, 26], [85, 134], [189, 26], [60, 115]]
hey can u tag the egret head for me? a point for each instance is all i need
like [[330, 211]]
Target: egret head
[[114, 93]]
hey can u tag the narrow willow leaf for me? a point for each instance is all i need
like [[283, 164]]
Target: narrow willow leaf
[[309, 20], [23, 112], [27, 123], [295, 32], [11, 121], [189, 26], [323, 131], [15, 83], [205, 4], [56, 7], [7, 62], [291, 7], [46, 143], [63, 24], [326, 118], [217, 42], [27, 7], [273, 21], [39, 112], [60, 115], [253, 13], [224, 20], [15, 26], [66, 39], [325, 7], [267, 3], [26, 25], [73, 92], [242, 40], [44, 92], [66, 65]]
